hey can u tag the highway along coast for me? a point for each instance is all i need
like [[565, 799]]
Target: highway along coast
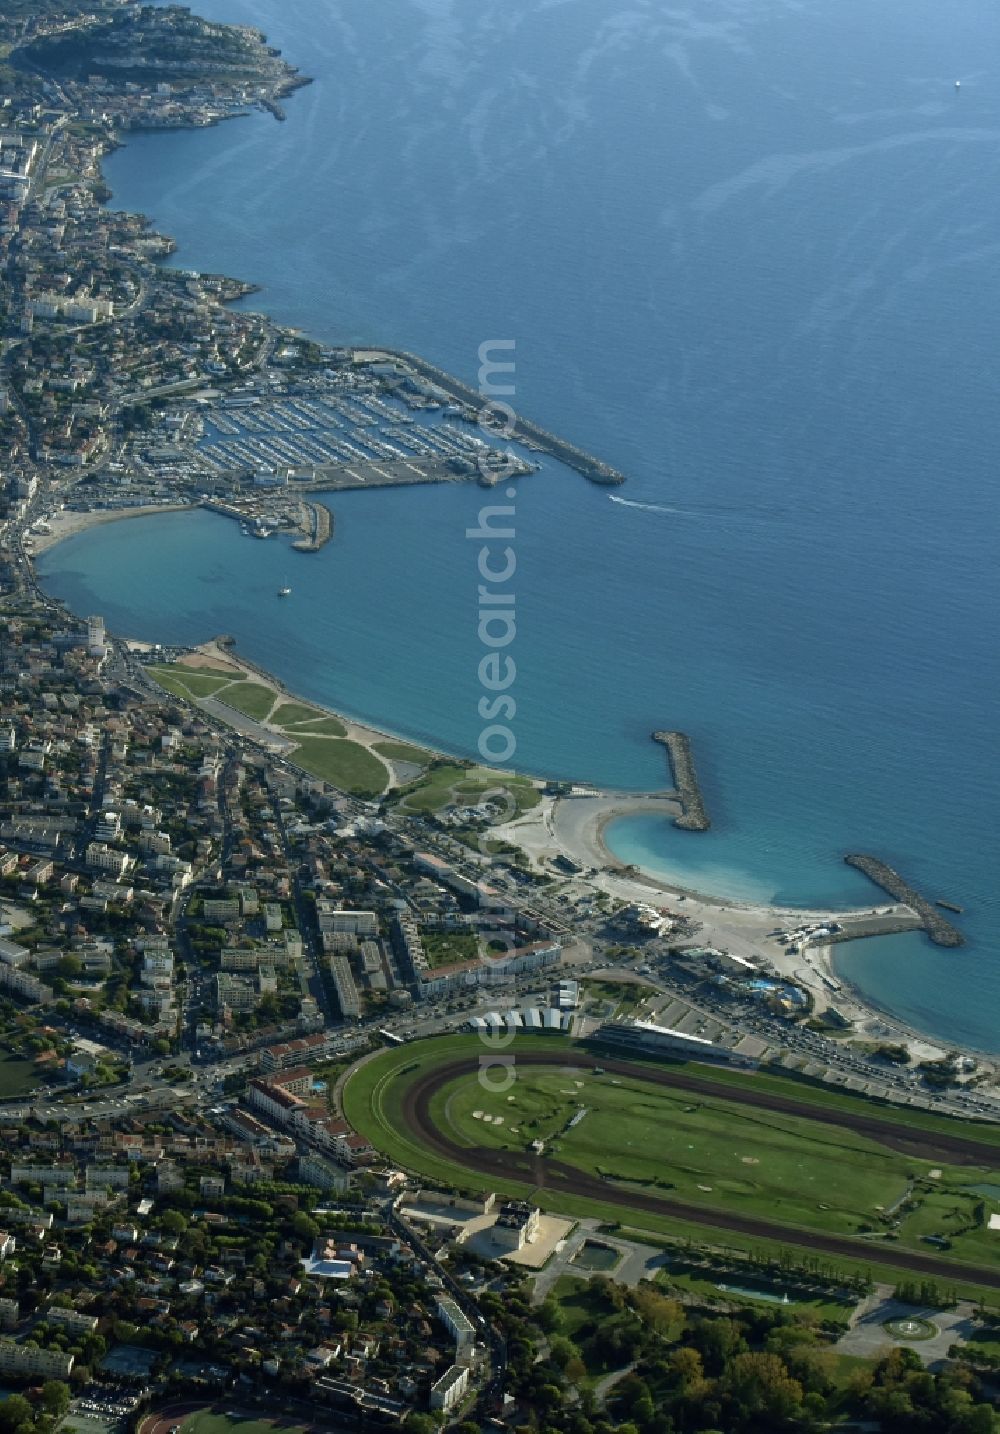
[[667, 1148]]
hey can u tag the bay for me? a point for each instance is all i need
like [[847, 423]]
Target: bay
[[747, 252]]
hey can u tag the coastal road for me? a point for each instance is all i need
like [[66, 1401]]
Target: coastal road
[[558, 1177]]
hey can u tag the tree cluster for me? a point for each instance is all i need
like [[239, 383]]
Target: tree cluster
[[615, 1361]]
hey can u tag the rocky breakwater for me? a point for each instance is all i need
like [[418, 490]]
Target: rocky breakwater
[[317, 528], [941, 932], [694, 817]]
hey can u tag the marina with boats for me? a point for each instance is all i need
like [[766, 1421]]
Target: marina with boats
[[319, 433]]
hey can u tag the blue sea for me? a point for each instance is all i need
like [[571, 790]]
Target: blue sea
[[748, 251]]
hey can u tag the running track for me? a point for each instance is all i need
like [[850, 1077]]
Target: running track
[[167, 1417], [556, 1176]]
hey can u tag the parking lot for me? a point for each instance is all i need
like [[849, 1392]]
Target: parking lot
[[99, 1411]]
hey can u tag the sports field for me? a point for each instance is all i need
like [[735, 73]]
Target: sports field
[[208, 1421], [651, 1143], [17, 1076], [216, 1421]]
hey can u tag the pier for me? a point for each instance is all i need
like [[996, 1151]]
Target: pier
[[317, 528], [694, 817], [856, 928], [940, 931], [522, 429]]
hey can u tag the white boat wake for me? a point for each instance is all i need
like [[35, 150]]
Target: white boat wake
[[654, 507], [717, 514]]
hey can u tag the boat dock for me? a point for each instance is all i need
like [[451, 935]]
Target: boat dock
[[521, 430], [322, 436], [694, 817], [940, 931]]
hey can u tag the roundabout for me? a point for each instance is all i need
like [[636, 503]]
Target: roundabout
[[911, 1328], [665, 1148]]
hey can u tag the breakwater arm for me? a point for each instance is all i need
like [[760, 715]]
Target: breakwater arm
[[694, 817], [941, 932], [317, 528], [521, 428]]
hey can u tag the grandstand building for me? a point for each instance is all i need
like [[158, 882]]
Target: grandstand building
[[650, 1039]]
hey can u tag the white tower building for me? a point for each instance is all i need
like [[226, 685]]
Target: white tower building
[[96, 641]]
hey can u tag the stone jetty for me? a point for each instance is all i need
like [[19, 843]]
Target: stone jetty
[[941, 932], [694, 817], [317, 528]]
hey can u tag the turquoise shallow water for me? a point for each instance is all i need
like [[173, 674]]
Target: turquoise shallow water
[[748, 255]]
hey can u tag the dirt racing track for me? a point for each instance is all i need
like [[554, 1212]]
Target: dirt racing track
[[165, 1419], [555, 1175]]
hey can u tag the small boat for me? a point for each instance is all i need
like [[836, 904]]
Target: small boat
[[285, 591], [958, 84]]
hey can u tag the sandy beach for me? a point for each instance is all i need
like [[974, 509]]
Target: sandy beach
[[65, 524], [574, 827]]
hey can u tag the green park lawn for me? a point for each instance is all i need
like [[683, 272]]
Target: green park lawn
[[452, 784], [190, 682], [346, 765], [298, 715], [402, 752], [580, 1303], [290, 712], [618, 999], [172, 684], [253, 699], [322, 727], [446, 948], [221, 674]]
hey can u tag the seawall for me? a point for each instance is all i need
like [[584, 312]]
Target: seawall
[[521, 428], [694, 817], [941, 932]]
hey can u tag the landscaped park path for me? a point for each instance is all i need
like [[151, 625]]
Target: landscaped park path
[[557, 1176]]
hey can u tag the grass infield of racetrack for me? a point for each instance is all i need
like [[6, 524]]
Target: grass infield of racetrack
[[212, 1420], [771, 1151]]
